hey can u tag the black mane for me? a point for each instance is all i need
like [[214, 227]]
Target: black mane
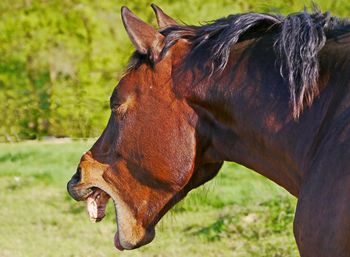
[[299, 38]]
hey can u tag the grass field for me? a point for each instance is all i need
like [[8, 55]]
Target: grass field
[[239, 213]]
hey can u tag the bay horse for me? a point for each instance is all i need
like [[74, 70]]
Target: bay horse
[[269, 92]]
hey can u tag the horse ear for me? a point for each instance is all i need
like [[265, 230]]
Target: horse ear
[[144, 37], [163, 19]]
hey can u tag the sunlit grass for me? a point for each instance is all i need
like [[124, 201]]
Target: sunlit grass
[[239, 213]]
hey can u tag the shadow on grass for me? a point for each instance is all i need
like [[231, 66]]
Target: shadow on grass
[[265, 219]]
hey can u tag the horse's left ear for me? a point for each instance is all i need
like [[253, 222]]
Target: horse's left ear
[[163, 19], [145, 38]]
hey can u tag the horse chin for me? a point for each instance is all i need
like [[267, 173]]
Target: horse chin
[[130, 234], [122, 243]]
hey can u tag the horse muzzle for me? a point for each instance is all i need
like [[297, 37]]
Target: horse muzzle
[[77, 190]]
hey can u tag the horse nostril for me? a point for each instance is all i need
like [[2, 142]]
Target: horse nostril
[[77, 176], [75, 179], [70, 185]]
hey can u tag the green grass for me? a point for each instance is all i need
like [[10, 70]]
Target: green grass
[[239, 213]]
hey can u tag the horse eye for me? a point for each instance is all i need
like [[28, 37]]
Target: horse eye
[[119, 110], [114, 107]]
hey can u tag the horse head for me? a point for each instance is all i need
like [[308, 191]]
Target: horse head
[[148, 157]]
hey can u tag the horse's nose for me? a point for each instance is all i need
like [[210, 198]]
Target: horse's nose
[[77, 176], [71, 185]]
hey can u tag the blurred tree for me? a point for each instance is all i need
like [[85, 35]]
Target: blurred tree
[[60, 59]]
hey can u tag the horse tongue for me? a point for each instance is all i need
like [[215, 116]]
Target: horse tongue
[[96, 205]]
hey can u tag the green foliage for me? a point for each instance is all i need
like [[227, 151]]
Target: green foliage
[[59, 60]]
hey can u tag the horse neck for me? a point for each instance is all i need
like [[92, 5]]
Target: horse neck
[[246, 117]]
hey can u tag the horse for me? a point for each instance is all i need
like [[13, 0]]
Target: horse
[[267, 91]]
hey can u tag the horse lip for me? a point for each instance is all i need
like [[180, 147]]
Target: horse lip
[[78, 194]]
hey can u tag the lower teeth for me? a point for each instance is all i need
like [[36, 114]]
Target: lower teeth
[[96, 205]]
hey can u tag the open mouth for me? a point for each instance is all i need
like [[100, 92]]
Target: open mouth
[[130, 232], [96, 203]]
